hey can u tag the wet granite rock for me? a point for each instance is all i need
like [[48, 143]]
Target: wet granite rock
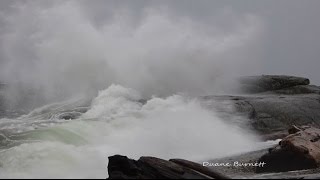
[[270, 114], [300, 89], [298, 151], [274, 104], [121, 167]]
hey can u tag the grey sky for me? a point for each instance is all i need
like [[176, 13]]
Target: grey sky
[[290, 43]]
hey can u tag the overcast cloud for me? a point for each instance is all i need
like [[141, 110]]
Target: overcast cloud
[[291, 43], [285, 36]]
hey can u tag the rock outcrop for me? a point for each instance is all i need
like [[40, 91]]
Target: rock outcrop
[[121, 167], [300, 89], [272, 104], [298, 151], [270, 114], [256, 84], [282, 101]]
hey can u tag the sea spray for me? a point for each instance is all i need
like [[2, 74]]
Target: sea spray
[[57, 50], [118, 123]]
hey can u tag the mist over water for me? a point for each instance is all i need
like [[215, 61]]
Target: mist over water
[[58, 49], [160, 64]]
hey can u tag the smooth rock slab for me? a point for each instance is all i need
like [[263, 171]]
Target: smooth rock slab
[[269, 113]]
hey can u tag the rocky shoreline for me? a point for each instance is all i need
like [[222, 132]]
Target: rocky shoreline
[[272, 112], [121, 167], [262, 164], [269, 106], [272, 104]]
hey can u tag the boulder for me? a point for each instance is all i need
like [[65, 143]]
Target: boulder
[[121, 167], [256, 84], [298, 151]]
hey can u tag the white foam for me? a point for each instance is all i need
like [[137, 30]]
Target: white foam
[[117, 123]]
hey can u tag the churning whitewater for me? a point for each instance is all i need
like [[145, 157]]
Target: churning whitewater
[[58, 50], [118, 121]]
